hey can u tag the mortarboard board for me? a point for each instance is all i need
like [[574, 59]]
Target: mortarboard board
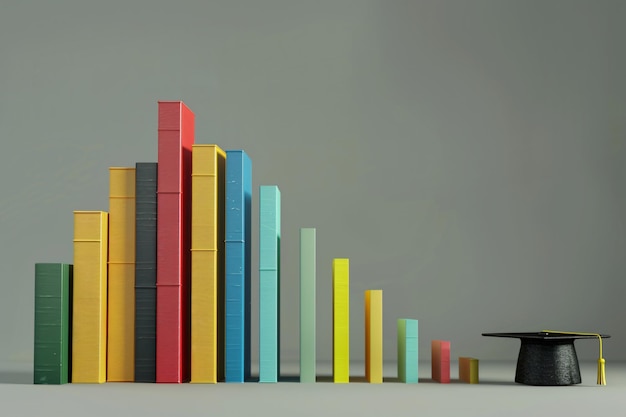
[[549, 357]]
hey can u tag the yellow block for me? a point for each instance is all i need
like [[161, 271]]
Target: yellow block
[[207, 262], [121, 297], [468, 370], [89, 305], [374, 336], [341, 320]]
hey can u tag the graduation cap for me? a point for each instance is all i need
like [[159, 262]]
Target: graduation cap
[[601, 361], [549, 357]]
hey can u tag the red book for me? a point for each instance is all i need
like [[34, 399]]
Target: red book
[[440, 361], [176, 136]]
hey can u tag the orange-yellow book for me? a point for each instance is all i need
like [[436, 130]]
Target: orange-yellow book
[[207, 263], [468, 370], [121, 292], [341, 320], [89, 305], [374, 336]]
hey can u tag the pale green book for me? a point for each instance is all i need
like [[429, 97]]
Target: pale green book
[[307, 305]]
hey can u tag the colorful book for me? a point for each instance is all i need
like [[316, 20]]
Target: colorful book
[[53, 291], [307, 305], [468, 370], [176, 137], [207, 261], [121, 288], [408, 369], [145, 270], [269, 283], [89, 300], [238, 243], [440, 362], [341, 320], [374, 336]]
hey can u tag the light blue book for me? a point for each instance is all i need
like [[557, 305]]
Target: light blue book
[[269, 283], [238, 197]]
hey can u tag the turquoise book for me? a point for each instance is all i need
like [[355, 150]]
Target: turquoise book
[[269, 283]]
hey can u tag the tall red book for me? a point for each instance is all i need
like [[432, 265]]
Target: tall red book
[[176, 137]]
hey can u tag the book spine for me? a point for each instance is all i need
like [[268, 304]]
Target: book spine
[[468, 370], [341, 320], [269, 283], [145, 271], [408, 351], [374, 336], [121, 287], [207, 259], [238, 196], [473, 371], [440, 361], [89, 303], [175, 140], [53, 283], [307, 305]]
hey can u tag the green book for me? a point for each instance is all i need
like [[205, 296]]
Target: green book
[[53, 283]]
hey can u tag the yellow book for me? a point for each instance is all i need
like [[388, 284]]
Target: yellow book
[[121, 291], [468, 370], [89, 305], [207, 263], [341, 320], [374, 336]]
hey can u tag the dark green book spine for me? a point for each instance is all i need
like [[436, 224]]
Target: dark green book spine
[[53, 282], [145, 271]]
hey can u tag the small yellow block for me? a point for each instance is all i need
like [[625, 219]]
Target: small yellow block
[[468, 370]]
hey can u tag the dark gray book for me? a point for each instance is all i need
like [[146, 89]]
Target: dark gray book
[[145, 271]]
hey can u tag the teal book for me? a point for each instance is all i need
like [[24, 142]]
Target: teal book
[[53, 291], [407, 351], [269, 283]]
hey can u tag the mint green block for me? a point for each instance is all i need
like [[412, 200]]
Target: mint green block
[[408, 351], [269, 283]]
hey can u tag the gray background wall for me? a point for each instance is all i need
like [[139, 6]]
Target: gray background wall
[[467, 156]]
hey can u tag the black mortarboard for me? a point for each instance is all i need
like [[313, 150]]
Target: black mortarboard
[[549, 357]]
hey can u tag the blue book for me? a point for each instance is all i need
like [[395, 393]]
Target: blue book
[[238, 208], [269, 283]]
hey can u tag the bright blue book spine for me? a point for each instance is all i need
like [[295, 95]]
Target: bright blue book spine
[[269, 283], [237, 266]]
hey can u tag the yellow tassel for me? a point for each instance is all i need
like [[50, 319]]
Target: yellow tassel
[[601, 361], [601, 372]]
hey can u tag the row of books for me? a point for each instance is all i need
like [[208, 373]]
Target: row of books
[[159, 287], [54, 323]]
